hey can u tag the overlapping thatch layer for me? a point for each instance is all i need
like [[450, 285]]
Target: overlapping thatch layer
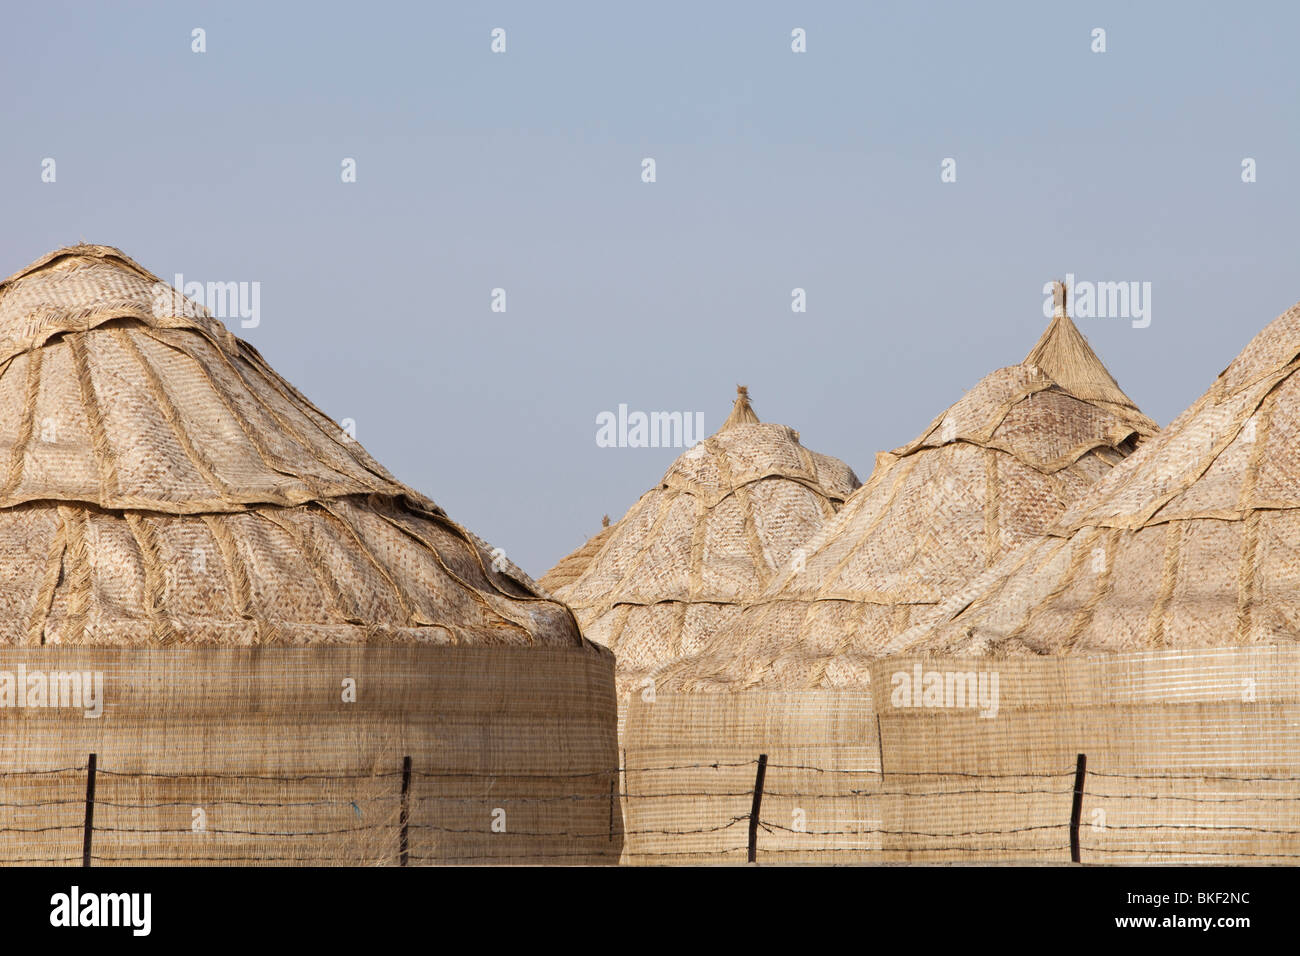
[[1190, 543], [1153, 628], [571, 566], [161, 486], [988, 474], [791, 677], [721, 524], [162, 483]]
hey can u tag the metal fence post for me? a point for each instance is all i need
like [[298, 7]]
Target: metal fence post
[[1076, 811], [757, 805], [90, 811]]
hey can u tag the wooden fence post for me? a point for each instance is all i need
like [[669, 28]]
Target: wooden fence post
[[756, 806], [1076, 812], [90, 811], [404, 850]]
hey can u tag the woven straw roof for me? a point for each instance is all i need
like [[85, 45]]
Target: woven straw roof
[[1065, 356], [1191, 543], [717, 528], [571, 566], [988, 474], [159, 483]]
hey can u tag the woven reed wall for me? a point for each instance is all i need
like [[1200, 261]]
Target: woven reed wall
[[1192, 757], [681, 808], [286, 772], [1182, 765]]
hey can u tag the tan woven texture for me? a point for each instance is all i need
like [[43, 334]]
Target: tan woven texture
[[794, 672], [253, 756], [161, 484], [175, 515], [690, 772], [710, 536], [990, 473], [571, 566], [1191, 757], [1190, 543]]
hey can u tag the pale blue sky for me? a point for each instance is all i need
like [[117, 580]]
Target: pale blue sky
[[775, 170]]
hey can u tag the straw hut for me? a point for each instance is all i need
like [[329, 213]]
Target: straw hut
[[571, 566], [792, 675], [1151, 630], [985, 476], [269, 610], [1186, 546], [718, 527]]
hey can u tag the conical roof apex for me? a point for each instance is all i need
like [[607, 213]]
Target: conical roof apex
[[163, 484], [1064, 355]]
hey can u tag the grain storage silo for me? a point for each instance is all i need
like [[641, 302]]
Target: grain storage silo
[[1153, 629], [274, 651], [791, 678], [716, 529]]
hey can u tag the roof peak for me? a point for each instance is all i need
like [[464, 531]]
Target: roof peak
[[1064, 355], [159, 433], [81, 287], [82, 250], [742, 413]]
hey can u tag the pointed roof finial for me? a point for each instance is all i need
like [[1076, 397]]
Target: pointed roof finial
[[742, 413], [1064, 356]]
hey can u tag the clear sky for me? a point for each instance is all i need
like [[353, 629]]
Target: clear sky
[[775, 170]]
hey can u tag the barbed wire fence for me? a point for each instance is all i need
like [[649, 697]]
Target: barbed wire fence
[[410, 816]]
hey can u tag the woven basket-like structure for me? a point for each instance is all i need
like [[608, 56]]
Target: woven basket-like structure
[[988, 474], [1152, 629], [791, 677], [570, 567], [163, 490], [719, 526], [163, 484], [1189, 544]]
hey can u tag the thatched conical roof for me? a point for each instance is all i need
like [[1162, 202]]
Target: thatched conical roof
[[570, 567], [988, 474], [742, 412], [159, 483], [1191, 543], [1065, 356], [722, 522]]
